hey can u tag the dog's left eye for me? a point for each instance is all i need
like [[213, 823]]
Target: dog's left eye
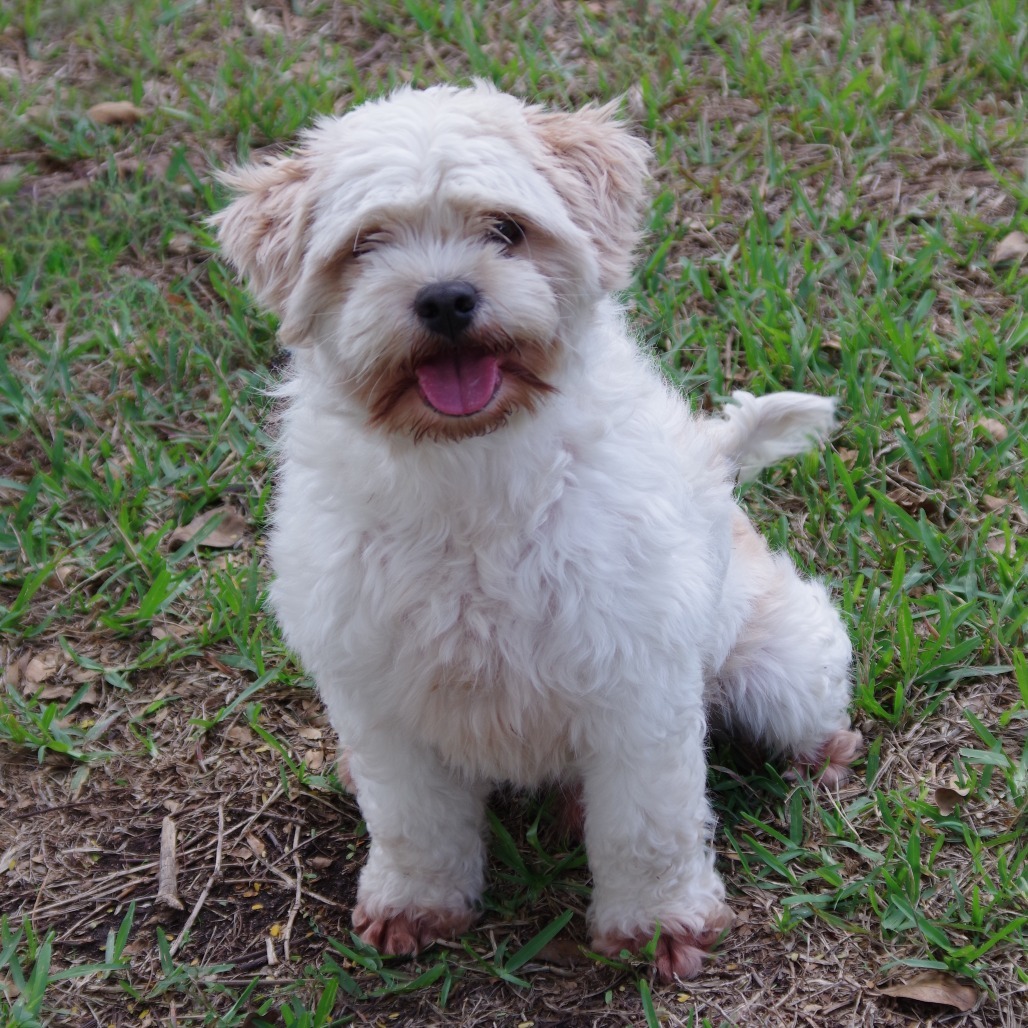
[[506, 231], [367, 241]]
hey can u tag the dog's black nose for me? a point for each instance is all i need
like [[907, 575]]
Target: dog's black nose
[[447, 308]]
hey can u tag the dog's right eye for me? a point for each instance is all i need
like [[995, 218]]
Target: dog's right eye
[[507, 232]]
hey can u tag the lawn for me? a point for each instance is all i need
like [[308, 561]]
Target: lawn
[[839, 205]]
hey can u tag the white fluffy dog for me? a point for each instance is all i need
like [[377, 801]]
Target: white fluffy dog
[[504, 548]]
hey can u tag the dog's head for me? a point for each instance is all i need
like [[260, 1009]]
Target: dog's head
[[442, 248]]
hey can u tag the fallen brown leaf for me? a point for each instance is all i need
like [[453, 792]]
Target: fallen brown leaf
[[261, 22], [994, 428], [56, 692], [949, 797], [180, 244], [562, 953], [1012, 247], [239, 735], [6, 306], [912, 501], [170, 631], [227, 533], [115, 112], [935, 987], [256, 845], [41, 668]]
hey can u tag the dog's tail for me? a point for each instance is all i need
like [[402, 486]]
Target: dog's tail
[[756, 431]]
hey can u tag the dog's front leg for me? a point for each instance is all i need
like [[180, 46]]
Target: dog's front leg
[[647, 833], [424, 872]]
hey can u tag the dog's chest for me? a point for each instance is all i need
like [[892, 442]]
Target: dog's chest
[[487, 676]]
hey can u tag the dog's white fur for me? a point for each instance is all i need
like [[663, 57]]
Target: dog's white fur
[[556, 587]]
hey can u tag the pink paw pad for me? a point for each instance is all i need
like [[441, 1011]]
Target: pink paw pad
[[407, 932]]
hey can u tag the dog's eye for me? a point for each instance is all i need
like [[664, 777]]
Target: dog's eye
[[367, 241], [507, 232]]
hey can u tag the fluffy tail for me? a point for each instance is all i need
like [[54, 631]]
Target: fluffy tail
[[756, 431]]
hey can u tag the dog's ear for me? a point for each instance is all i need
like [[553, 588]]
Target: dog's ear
[[263, 232], [599, 169]]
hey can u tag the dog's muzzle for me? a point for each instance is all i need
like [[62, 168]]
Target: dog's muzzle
[[463, 379]]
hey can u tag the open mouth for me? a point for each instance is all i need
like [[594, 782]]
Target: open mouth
[[459, 384]]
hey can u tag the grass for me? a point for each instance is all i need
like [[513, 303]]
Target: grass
[[830, 183]]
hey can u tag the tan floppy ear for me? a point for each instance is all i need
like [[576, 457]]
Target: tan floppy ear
[[263, 232], [599, 169]]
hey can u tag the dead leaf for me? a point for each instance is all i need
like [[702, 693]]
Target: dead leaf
[[239, 735], [169, 631], [66, 572], [314, 759], [180, 244], [261, 22], [994, 428], [256, 845], [949, 797], [311, 734], [935, 987], [994, 503], [41, 668], [1012, 247], [227, 533], [6, 307], [56, 692], [913, 501], [322, 862], [115, 112], [562, 953]]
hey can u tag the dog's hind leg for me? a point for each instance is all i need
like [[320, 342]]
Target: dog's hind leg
[[785, 683], [647, 832]]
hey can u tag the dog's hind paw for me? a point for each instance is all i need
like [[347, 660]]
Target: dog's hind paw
[[830, 764], [407, 932], [680, 952]]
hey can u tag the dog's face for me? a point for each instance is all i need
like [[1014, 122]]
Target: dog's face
[[440, 248]]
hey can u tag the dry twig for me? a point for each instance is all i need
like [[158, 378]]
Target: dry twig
[[167, 872], [294, 909], [215, 874]]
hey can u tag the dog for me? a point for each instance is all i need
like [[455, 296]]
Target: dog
[[503, 546]]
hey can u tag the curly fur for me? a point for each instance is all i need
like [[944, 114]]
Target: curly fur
[[554, 585]]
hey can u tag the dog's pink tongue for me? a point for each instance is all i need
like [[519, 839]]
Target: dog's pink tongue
[[459, 384]]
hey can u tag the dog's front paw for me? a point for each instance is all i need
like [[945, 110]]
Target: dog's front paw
[[830, 764], [406, 932], [680, 951]]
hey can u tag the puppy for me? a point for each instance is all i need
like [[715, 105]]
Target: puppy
[[503, 547]]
